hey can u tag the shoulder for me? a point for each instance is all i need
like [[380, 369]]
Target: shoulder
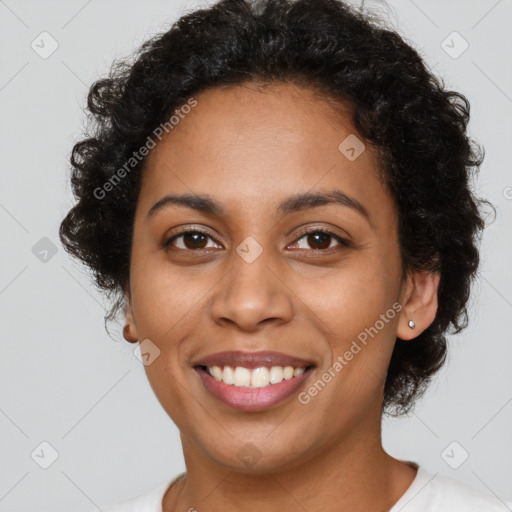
[[149, 501], [437, 493], [453, 496]]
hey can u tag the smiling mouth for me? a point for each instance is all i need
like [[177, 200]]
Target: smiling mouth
[[260, 377], [256, 389]]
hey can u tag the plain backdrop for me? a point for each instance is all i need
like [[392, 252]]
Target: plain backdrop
[[65, 383]]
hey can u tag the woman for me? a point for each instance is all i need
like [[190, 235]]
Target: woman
[[278, 196]]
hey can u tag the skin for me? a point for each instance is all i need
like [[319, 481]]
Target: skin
[[250, 148]]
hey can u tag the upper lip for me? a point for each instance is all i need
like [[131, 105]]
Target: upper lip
[[253, 359]]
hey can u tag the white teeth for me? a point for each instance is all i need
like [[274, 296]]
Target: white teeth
[[228, 375], [216, 372], [260, 377], [276, 374], [288, 372], [242, 376], [257, 378]]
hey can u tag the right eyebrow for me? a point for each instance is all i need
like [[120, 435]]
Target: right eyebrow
[[202, 203]]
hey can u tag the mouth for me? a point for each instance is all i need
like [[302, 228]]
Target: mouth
[[253, 388]]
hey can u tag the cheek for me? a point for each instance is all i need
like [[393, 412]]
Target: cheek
[[164, 298], [165, 381], [358, 311], [351, 299]]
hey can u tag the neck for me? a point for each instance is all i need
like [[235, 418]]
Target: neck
[[355, 475]]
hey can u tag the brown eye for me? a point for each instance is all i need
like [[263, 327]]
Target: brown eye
[[191, 240], [320, 240], [194, 240]]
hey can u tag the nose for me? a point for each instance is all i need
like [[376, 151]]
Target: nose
[[252, 294]]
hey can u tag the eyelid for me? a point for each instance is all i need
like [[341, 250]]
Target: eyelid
[[321, 229], [193, 228]]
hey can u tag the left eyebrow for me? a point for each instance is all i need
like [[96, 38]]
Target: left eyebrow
[[314, 199], [295, 203]]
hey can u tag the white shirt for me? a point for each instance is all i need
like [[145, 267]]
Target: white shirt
[[427, 493]]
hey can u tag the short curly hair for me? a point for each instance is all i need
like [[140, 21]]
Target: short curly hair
[[398, 107]]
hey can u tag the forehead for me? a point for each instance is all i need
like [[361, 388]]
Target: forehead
[[242, 144]]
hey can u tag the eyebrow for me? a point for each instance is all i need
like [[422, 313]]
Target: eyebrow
[[295, 203]]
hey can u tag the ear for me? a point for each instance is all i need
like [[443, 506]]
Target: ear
[[419, 301], [130, 329]]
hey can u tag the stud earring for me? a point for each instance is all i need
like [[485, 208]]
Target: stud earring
[[411, 324]]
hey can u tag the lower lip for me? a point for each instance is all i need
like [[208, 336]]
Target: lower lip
[[252, 399]]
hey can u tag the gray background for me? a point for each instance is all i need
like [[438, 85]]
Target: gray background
[[64, 381]]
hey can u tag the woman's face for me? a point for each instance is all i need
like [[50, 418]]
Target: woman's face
[[255, 281]]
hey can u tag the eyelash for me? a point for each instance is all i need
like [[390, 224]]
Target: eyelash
[[188, 230]]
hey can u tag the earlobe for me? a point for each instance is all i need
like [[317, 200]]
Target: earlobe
[[129, 330], [420, 306]]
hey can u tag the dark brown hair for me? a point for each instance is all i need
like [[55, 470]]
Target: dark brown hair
[[399, 107]]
